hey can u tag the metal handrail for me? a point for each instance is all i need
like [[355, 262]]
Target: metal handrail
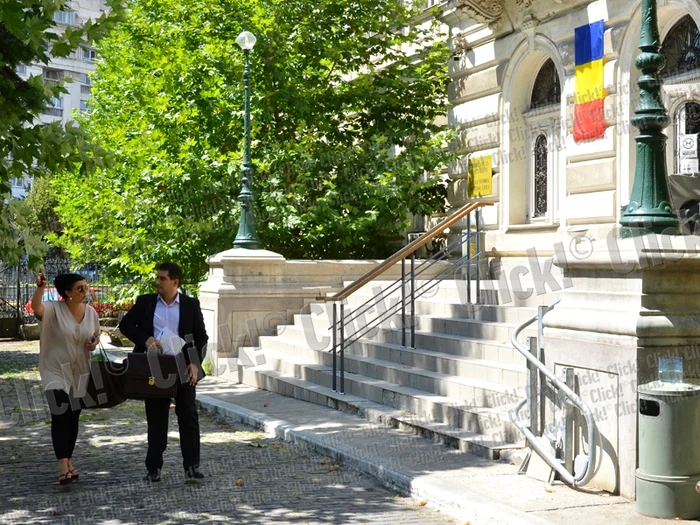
[[406, 251], [338, 325], [422, 268], [573, 480], [421, 290]]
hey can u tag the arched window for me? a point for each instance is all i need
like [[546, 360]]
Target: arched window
[[681, 48], [544, 138], [681, 51], [540, 161], [547, 88]]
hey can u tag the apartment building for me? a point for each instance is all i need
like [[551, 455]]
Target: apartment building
[[78, 67]]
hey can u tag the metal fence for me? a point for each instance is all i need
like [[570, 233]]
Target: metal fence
[[18, 284]]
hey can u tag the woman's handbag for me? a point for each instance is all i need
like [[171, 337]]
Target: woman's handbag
[[106, 386], [152, 374]]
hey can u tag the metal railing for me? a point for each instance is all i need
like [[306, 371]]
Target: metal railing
[[537, 372], [343, 338]]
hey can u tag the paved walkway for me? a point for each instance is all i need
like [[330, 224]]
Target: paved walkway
[[473, 489], [253, 478], [322, 478]]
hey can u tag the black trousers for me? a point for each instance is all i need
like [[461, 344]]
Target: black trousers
[[65, 416], [157, 414]]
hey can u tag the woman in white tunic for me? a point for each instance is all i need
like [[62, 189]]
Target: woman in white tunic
[[69, 332]]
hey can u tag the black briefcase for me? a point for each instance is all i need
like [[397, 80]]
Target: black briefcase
[[152, 374], [106, 386]]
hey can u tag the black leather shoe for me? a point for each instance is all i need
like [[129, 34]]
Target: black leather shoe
[[153, 477], [194, 475]]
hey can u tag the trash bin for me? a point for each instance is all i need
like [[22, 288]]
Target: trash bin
[[669, 450]]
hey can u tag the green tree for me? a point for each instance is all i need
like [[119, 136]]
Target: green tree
[[28, 34], [41, 201], [346, 95]]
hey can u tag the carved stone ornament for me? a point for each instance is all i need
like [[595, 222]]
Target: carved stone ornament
[[484, 11], [527, 3]]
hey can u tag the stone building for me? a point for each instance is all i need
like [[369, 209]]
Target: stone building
[[514, 94]]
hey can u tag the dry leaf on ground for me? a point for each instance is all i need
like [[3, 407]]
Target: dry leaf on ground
[[239, 482], [549, 490], [324, 461], [266, 405], [335, 467], [423, 502]]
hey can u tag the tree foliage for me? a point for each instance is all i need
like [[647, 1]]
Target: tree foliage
[[345, 99], [28, 34], [41, 202]]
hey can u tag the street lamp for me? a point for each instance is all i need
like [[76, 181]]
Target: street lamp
[[650, 209], [246, 237]]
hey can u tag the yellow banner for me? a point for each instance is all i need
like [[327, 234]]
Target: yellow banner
[[589, 82], [479, 176]]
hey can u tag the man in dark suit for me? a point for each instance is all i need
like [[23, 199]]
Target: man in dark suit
[[153, 316]]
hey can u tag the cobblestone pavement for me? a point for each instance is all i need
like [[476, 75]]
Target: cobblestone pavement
[[251, 479]]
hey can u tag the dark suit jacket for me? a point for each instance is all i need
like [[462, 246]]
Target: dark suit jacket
[[137, 325]]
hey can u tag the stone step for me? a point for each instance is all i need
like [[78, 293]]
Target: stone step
[[456, 345], [407, 360], [472, 328], [481, 312], [469, 391], [317, 327], [491, 445], [525, 293]]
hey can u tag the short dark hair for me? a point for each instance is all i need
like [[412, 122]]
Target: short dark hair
[[174, 271], [65, 281]]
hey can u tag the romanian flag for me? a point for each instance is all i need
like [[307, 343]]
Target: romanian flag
[[589, 94]]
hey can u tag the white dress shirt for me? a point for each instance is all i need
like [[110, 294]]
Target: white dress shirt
[[166, 316]]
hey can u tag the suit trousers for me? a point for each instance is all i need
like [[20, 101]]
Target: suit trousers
[[157, 415]]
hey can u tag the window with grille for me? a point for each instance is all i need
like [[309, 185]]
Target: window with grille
[[543, 121], [681, 49], [540, 154], [547, 88]]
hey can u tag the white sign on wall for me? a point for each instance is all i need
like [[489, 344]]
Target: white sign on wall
[[690, 166], [688, 146]]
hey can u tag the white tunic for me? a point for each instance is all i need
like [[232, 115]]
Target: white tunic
[[63, 361]]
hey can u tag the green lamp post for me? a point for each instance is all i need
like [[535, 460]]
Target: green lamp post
[[246, 236], [650, 209]]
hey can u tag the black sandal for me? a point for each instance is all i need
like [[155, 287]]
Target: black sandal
[[65, 478], [74, 474]]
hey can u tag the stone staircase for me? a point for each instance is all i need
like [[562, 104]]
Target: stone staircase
[[456, 387]]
